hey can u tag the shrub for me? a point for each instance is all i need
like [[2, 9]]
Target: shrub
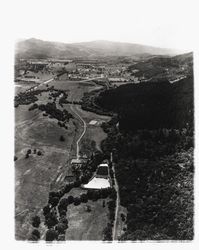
[[67, 188], [46, 210], [108, 232], [51, 235], [36, 221], [34, 106], [51, 220], [88, 208], [77, 201], [77, 183], [29, 151], [15, 158], [61, 138], [39, 153], [33, 238], [62, 212], [61, 228], [122, 217], [36, 233], [70, 199], [54, 201], [63, 203], [84, 198]]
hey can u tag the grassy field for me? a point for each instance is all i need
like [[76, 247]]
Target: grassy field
[[22, 86], [85, 225], [93, 133], [36, 175], [75, 89]]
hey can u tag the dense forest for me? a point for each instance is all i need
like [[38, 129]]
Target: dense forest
[[151, 105], [151, 137]]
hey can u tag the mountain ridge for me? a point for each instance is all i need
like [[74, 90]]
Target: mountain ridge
[[36, 48]]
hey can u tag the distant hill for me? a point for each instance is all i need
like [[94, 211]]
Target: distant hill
[[34, 48], [164, 66]]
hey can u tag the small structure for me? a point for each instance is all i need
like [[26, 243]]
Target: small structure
[[98, 183], [96, 122], [101, 179], [93, 122], [76, 161]]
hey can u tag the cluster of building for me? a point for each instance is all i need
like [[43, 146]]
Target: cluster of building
[[101, 178], [76, 70]]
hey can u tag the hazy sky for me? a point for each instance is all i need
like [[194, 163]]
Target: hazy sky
[[163, 23]]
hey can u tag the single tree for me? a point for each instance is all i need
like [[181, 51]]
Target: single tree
[[39, 153], [29, 151], [70, 199], [61, 227], [46, 210], [54, 201], [36, 221], [77, 201], [61, 138], [36, 233], [51, 235]]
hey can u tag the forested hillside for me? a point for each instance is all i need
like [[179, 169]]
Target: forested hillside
[[164, 67], [153, 154], [151, 105]]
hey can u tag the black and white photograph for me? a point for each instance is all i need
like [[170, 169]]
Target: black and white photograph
[[104, 122]]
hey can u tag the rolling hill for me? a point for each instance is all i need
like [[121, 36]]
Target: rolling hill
[[34, 48]]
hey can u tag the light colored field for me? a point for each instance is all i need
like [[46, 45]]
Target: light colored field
[[41, 75], [22, 86], [93, 133], [37, 175], [76, 89], [85, 225]]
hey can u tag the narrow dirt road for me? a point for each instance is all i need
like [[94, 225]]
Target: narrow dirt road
[[114, 232], [72, 107]]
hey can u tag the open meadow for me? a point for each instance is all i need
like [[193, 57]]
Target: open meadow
[[47, 164]]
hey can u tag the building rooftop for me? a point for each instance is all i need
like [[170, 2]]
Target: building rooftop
[[98, 183], [76, 161]]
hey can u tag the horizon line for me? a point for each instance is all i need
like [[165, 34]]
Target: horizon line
[[104, 40]]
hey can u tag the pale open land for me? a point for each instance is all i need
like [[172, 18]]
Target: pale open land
[[37, 175]]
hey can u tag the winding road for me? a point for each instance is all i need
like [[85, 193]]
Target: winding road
[[72, 107]]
